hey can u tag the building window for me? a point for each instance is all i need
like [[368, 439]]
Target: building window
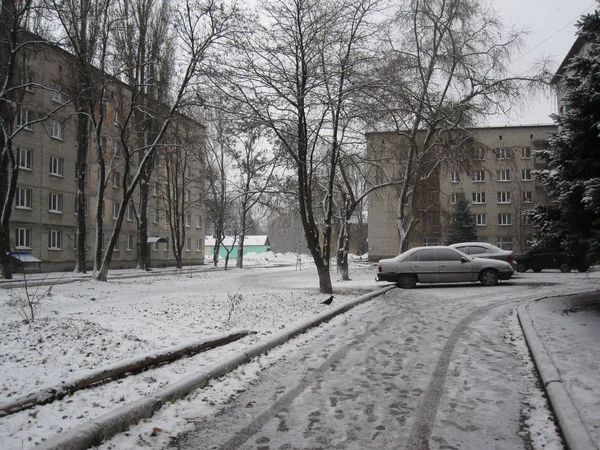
[[429, 241], [526, 175], [526, 153], [188, 244], [198, 245], [117, 248], [55, 202], [454, 177], [57, 129], [480, 155], [502, 153], [478, 197], [478, 176], [55, 240], [188, 220], [527, 219], [198, 221], [28, 80], [116, 207], [130, 242], [24, 119], [156, 189], [155, 247], [130, 213], [116, 180], [117, 149], [503, 197], [22, 237], [116, 119], [58, 95], [25, 158], [23, 198], [155, 215], [505, 242], [431, 219], [480, 220], [503, 175], [527, 197], [57, 166], [188, 195], [504, 219]]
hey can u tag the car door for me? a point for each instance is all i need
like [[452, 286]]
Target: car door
[[425, 264], [452, 268]]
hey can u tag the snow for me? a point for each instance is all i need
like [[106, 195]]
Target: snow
[[85, 326]]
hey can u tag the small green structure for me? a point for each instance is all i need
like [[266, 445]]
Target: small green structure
[[252, 244]]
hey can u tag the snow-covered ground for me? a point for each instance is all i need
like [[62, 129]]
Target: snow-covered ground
[[87, 325]]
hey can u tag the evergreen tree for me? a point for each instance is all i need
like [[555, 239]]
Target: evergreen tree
[[462, 228], [573, 175]]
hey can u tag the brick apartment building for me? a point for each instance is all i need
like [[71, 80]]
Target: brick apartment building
[[43, 221], [497, 179]]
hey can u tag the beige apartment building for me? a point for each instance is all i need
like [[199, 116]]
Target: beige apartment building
[[43, 221], [497, 177]]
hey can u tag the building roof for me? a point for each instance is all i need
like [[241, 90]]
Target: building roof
[[577, 46], [256, 240]]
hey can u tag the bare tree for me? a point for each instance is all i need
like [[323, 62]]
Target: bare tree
[[199, 27], [294, 74], [446, 67], [219, 148], [86, 27], [145, 38], [18, 47], [181, 159], [255, 166]]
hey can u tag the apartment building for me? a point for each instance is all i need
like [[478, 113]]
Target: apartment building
[[495, 173], [43, 221]]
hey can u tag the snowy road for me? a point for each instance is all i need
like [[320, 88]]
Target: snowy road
[[434, 367]]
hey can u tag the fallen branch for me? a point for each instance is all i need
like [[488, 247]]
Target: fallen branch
[[49, 394]]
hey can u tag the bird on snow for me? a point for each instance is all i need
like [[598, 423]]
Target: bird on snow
[[328, 301]]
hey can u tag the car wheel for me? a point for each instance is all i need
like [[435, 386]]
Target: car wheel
[[489, 277], [521, 267], [583, 269], [537, 270], [564, 268], [407, 281]]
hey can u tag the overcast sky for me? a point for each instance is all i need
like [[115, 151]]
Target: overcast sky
[[551, 26]]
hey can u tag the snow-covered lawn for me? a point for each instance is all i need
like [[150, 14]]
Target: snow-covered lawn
[[87, 325]]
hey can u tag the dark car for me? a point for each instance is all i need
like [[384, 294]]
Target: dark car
[[538, 260]]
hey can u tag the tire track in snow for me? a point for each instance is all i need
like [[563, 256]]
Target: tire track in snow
[[425, 418]]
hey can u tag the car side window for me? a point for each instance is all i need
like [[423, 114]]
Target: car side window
[[428, 255], [476, 250], [448, 255], [463, 249]]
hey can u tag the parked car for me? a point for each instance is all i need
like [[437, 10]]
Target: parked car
[[485, 250], [539, 259], [441, 264]]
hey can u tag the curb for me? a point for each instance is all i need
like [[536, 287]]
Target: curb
[[106, 426], [575, 435]]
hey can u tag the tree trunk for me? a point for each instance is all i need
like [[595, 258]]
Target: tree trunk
[[8, 187], [83, 137], [240, 256], [142, 220], [99, 212]]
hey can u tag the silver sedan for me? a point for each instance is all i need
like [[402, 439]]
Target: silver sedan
[[440, 264]]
